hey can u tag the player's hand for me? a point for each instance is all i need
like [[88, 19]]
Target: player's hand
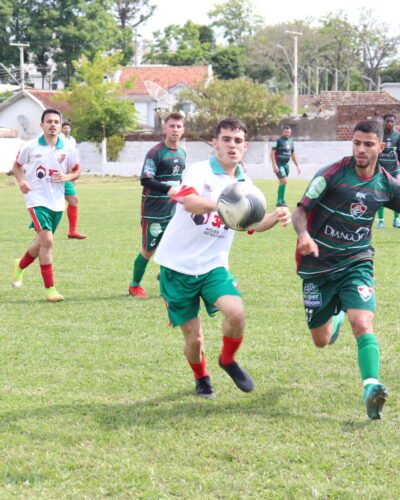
[[58, 177], [276, 169], [298, 170], [306, 245], [172, 191], [283, 215], [24, 186]]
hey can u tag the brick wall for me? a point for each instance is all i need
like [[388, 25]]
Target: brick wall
[[348, 115]]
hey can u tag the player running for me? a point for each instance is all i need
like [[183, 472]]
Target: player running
[[71, 194], [42, 167], [193, 255], [282, 151], [160, 178], [333, 222], [389, 160]]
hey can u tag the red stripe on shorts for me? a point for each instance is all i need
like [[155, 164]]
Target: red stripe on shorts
[[35, 220]]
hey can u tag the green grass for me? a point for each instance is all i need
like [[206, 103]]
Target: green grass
[[97, 399]]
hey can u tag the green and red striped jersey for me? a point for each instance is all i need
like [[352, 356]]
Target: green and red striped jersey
[[340, 209]]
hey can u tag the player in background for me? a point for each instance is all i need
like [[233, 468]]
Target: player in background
[[42, 167], [193, 255], [71, 194], [282, 151], [389, 160], [160, 178], [333, 222]]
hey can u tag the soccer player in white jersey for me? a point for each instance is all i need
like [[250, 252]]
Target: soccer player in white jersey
[[71, 194], [193, 255], [42, 167]]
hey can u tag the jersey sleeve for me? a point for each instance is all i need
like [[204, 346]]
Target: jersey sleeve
[[394, 202], [275, 146], [73, 159], [315, 191], [23, 155], [193, 177], [150, 164]]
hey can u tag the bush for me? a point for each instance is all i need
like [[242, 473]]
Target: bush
[[114, 145]]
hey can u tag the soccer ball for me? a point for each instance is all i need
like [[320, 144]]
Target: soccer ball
[[241, 206]]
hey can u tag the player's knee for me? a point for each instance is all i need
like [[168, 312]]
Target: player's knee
[[319, 342], [236, 318], [73, 200], [360, 326]]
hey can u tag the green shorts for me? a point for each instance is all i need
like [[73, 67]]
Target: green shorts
[[70, 189], [283, 170], [182, 292], [352, 288], [151, 234], [44, 218]]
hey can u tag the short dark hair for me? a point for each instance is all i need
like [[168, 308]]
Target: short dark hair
[[370, 127], [389, 115], [174, 115], [232, 124], [49, 111], [286, 127], [66, 123]]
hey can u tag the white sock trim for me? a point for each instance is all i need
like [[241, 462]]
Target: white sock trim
[[370, 381]]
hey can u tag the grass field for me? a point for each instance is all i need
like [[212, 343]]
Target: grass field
[[97, 399]]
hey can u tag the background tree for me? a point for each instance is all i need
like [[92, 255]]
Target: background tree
[[228, 62], [190, 44], [236, 18], [130, 14], [241, 97], [95, 105]]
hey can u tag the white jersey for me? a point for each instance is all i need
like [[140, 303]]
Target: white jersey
[[40, 162], [68, 140], [196, 244]]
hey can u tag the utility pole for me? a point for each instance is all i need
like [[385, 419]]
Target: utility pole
[[295, 35], [21, 60]]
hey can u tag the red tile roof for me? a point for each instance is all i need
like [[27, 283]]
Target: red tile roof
[[44, 96], [166, 76]]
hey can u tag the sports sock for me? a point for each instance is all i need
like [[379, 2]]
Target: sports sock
[[47, 273], [380, 213], [72, 214], [139, 268], [395, 215], [26, 260], [199, 369], [229, 347], [281, 193], [368, 359]]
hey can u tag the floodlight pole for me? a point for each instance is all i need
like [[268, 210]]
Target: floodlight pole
[[295, 35], [21, 60]]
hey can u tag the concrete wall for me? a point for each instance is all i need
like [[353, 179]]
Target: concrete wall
[[24, 117], [312, 155], [9, 149]]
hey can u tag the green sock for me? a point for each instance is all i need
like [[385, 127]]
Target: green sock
[[395, 215], [281, 193], [380, 213], [368, 358], [139, 268]]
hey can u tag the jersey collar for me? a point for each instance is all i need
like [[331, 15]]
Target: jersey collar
[[218, 170], [59, 144]]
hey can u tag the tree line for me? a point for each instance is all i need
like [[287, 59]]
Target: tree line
[[333, 52]]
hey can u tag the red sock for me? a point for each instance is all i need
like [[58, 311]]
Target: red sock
[[72, 213], [229, 347], [47, 273], [26, 260], [199, 369]]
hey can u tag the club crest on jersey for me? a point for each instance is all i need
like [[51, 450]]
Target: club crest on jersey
[[365, 292], [40, 172], [358, 209]]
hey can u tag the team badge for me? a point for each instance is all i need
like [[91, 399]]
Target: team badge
[[358, 209], [155, 229], [316, 187], [40, 172], [365, 292]]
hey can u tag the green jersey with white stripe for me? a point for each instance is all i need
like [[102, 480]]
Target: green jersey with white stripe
[[389, 157], [340, 208]]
